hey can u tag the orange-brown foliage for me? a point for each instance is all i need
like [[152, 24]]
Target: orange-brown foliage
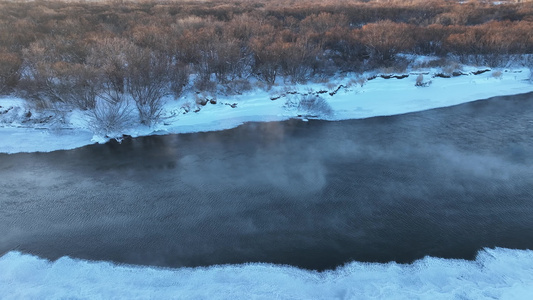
[[232, 40]]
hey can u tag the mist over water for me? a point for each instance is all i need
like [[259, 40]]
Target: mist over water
[[445, 183]]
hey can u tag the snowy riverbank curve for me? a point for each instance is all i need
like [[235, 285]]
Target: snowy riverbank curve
[[495, 274], [23, 129]]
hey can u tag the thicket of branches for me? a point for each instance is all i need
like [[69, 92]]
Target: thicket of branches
[[82, 53]]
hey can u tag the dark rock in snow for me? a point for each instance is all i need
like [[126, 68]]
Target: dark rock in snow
[[201, 102], [401, 76], [441, 75], [5, 111], [480, 71], [458, 73], [388, 76], [232, 105], [336, 90]]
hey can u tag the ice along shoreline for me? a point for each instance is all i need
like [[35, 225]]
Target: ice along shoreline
[[496, 274]]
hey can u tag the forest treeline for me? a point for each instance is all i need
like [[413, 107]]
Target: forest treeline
[[77, 52]]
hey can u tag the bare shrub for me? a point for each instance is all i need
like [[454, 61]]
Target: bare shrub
[[291, 101], [528, 63], [314, 105], [267, 53], [110, 56], [385, 39], [147, 83], [110, 119], [360, 81], [179, 78], [398, 65], [80, 85], [204, 84], [494, 60], [296, 61], [261, 85], [331, 85], [9, 71], [237, 86], [46, 80], [451, 67], [433, 63], [188, 106]]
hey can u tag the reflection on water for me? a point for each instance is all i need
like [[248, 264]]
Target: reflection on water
[[315, 194]]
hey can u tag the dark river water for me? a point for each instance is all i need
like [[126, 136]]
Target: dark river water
[[317, 194]]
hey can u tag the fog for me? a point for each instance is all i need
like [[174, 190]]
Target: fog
[[317, 194]]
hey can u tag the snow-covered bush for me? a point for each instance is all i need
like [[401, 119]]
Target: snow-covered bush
[[110, 119], [356, 81], [420, 81], [314, 105], [452, 67], [10, 114]]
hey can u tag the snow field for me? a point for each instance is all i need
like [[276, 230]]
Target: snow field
[[495, 274]]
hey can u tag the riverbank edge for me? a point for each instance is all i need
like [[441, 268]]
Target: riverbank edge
[[497, 273], [350, 97]]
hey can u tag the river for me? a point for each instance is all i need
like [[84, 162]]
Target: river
[[444, 182]]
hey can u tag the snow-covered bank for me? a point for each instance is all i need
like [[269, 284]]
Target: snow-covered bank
[[495, 274], [25, 130]]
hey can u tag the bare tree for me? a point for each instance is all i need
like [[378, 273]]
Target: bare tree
[[385, 39], [48, 79], [9, 71], [179, 77], [109, 55], [267, 54], [148, 82]]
